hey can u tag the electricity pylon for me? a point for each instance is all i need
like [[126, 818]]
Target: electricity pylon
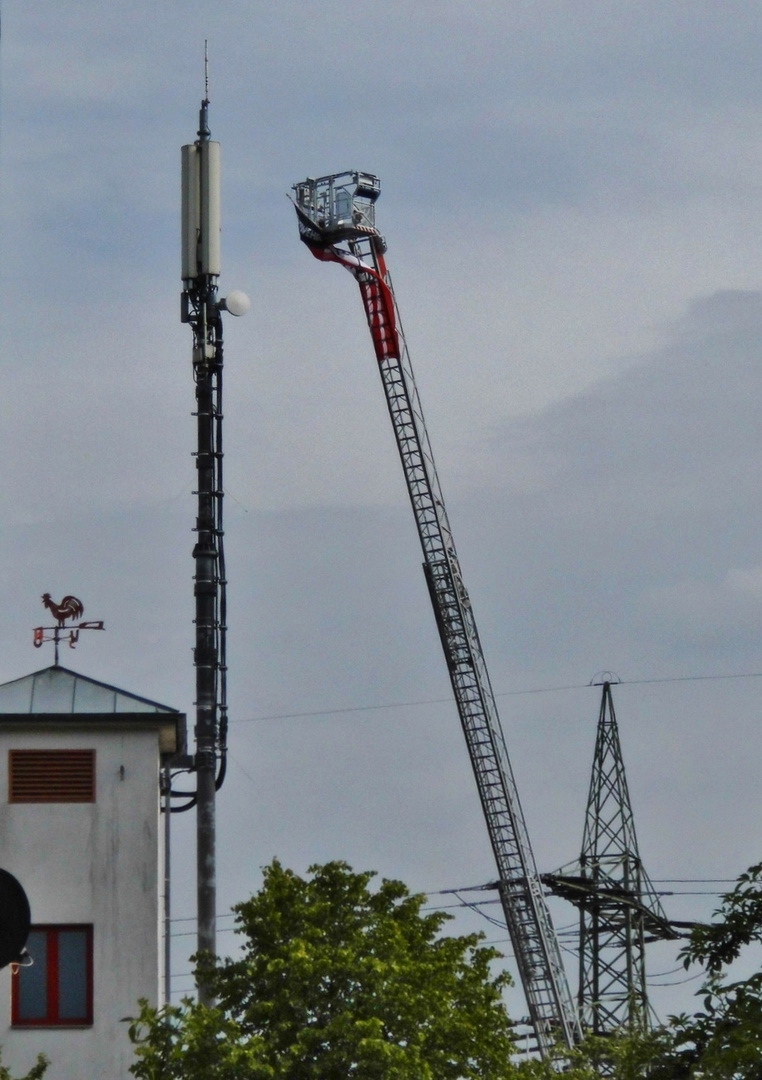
[[619, 911]]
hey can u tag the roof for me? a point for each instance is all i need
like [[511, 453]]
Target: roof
[[58, 690]]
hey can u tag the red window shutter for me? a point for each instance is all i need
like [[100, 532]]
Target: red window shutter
[[57, 989], [51, 776]]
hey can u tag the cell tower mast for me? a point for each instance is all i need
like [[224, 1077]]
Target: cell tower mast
[[202, 309], [339, 208]]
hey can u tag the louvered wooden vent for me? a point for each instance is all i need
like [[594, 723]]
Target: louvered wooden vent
[[55, 776]]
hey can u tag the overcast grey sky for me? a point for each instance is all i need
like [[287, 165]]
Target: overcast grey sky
[[572, 199]]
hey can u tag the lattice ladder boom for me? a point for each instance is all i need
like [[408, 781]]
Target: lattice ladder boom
[[534, 940], [522, 895]]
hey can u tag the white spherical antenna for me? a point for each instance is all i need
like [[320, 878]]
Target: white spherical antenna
[[236, 302]]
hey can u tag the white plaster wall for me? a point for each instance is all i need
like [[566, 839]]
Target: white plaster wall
[[91, 863]]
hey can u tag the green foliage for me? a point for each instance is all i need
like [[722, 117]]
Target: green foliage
[[35, 1073], [724, 1039], [336, 980], [188, 1041], [737, 922], [625, 1056]]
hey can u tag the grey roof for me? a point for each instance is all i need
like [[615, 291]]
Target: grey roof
[[58, 690]]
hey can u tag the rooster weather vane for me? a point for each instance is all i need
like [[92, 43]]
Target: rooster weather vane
[[70, 608]]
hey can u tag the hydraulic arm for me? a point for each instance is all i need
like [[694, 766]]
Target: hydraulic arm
[[341, 208]]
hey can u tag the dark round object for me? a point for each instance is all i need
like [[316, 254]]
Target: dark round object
[[15, 919]]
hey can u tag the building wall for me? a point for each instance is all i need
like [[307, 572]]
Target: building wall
[[93, 863]]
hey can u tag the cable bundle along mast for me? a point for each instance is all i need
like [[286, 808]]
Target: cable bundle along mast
[[341, 207]]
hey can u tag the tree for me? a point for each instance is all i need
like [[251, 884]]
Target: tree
[[35, 1073], [628, 1055], [724, 1039], [336, 980]]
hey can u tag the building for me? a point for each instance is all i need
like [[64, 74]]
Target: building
[[80, 827]]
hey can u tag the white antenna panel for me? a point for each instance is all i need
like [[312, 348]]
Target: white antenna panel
[[191, 211], [210, 208], [200, 210]]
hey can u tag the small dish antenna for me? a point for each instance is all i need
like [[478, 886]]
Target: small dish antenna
[[236, 303]]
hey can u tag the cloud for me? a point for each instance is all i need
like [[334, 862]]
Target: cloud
[[680, 416], [635, 503], [570, 196], [746, 580]]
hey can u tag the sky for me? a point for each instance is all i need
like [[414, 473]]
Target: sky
[[571, 199]]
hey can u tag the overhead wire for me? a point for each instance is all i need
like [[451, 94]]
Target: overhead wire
[[309, 713], [476, 904], [677, 982]]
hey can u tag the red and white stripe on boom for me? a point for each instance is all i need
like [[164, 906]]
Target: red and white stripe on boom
[[376, 296]]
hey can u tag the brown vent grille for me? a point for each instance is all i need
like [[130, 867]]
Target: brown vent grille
[[51, 776]]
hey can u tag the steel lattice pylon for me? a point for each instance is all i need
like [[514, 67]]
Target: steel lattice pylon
[[619, 909]]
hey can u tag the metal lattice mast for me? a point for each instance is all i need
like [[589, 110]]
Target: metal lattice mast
[[201, 269], [340, 207], [613, 992], [202, 309], [619, 909]]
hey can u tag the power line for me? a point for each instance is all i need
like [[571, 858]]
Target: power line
[[192, 933], [688, 892], [339, 712], [475, 904], [491, 886], [192, 918], [677, 982], [311, 713]]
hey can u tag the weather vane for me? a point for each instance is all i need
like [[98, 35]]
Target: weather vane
[[70, 608]]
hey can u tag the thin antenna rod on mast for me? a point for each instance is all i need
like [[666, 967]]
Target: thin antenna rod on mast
[[203, 117]]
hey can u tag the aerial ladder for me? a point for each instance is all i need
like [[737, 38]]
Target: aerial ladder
[[341, 209]]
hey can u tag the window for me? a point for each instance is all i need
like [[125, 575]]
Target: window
[[60, 776], [57, 989]]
